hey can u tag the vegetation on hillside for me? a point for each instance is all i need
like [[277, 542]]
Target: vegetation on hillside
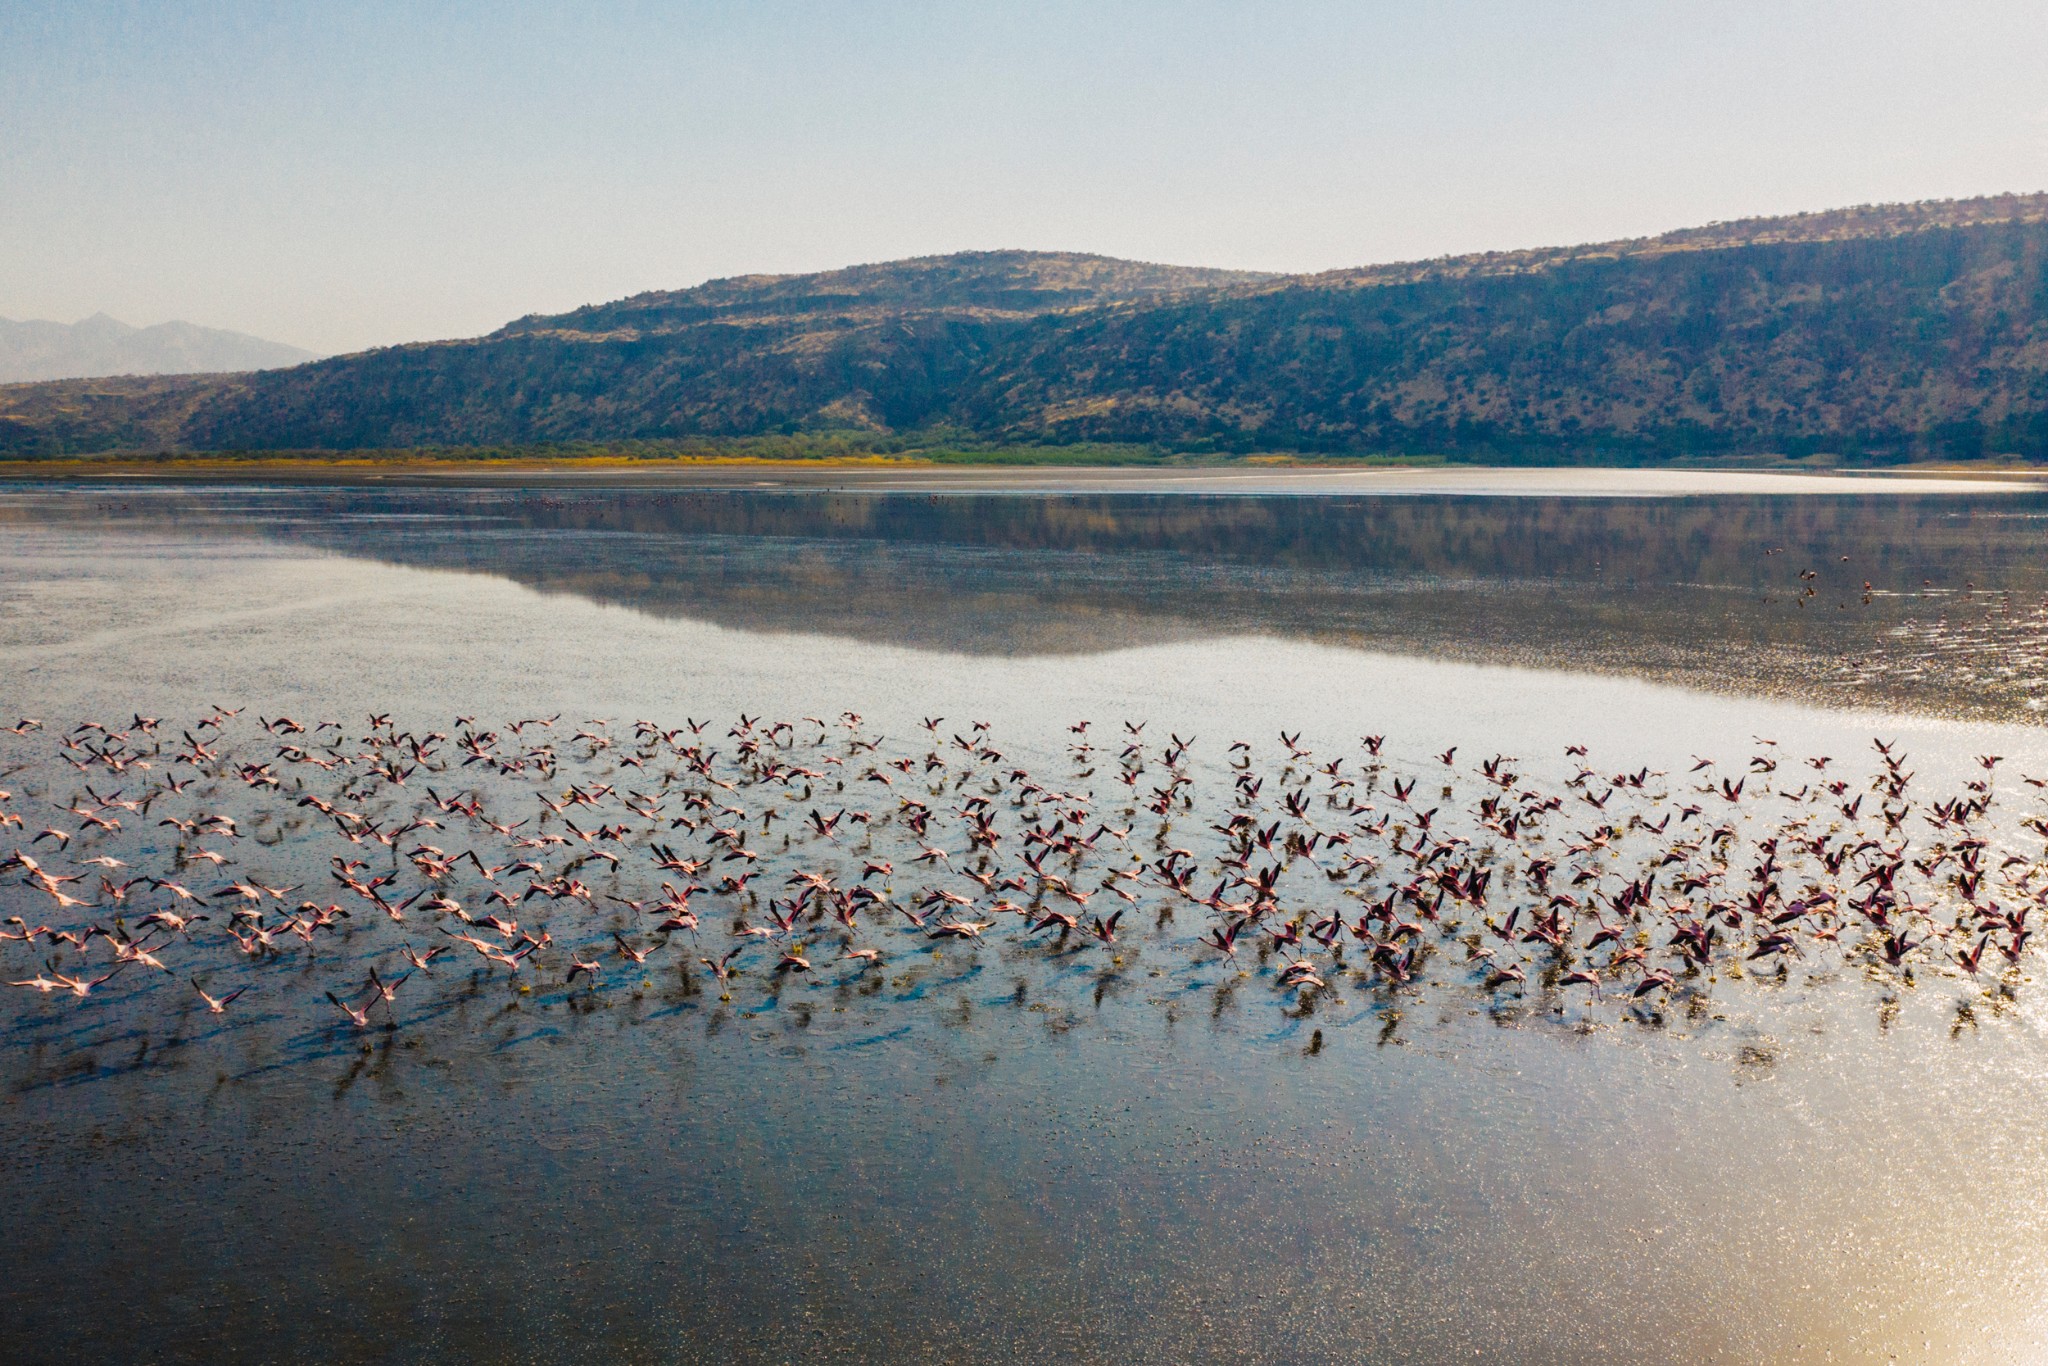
[[1017, 284], [123, 412], [1870, 335]]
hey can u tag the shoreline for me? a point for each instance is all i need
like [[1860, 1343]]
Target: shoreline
[[881, 474]]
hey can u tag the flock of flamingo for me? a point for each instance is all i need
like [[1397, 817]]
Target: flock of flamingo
[[756, 858]]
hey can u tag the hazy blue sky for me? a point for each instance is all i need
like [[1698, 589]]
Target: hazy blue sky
[[343, 175]]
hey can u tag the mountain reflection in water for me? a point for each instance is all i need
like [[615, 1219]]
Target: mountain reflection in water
[[1933, 603]]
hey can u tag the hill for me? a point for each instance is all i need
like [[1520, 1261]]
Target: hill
[[101, 345], [1913, 331], [994, 284], [1883, 332]]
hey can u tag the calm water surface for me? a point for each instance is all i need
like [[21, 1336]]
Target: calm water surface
[[989, 1152]]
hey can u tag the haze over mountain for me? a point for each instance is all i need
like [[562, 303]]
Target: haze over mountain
[[100, 345], [1880, 332]]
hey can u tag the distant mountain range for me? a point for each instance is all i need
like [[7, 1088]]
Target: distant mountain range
[[101, 345], [1881, 332]]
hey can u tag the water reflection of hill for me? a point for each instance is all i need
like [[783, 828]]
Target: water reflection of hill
[[1750, 594]]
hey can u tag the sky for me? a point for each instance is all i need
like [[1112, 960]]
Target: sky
[[339, 176]]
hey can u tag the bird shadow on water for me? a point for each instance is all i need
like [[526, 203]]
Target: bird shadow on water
[[537, 1034], [83, 1052], [872, 1040]]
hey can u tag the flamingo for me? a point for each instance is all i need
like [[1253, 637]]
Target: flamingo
[[217, 1005]]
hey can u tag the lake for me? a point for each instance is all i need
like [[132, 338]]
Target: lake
[[1491, 700]]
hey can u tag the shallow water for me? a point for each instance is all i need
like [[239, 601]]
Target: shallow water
[[1002, 1151]]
